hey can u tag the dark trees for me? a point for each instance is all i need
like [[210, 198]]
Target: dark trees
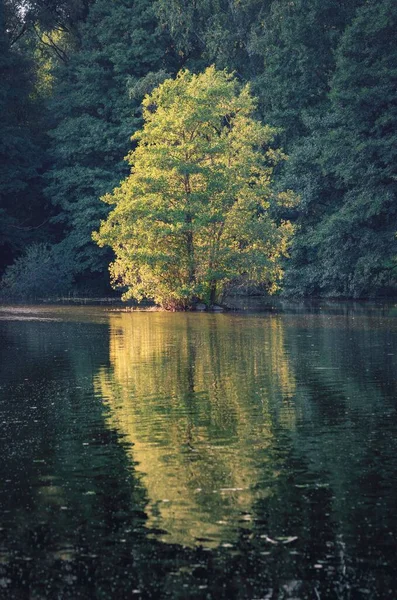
[[347, 245], [21, 147], [94, 116], [73, 74]]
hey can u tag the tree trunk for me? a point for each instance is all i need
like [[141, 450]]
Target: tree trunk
[[212, 292], [189, 234], [190, 251]]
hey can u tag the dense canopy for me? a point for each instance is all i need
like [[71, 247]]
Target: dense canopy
[[73, 77]]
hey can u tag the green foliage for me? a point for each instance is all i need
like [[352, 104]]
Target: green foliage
[[298, 41], [94, 117], [194, 215], [347, 246], [27, 16], [220, 32], [21, 147], [323, 72], [39, 273], [297, 55]]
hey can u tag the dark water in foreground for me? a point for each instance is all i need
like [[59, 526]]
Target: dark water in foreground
[[151, 455]]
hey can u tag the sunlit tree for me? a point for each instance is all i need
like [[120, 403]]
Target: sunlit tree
[[194, 215]]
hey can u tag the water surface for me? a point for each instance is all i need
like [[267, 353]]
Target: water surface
[[205, 456]]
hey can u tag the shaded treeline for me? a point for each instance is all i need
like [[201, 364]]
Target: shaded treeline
[[73, 75]]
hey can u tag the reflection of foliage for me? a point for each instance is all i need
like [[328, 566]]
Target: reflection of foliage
[[181, 390], [335, 486]]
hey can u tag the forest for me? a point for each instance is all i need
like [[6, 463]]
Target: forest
[[74, 74]]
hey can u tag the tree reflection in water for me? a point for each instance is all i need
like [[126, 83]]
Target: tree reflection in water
[[198, 399], [198, 456]]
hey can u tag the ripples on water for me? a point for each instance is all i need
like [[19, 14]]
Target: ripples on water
[[152, 455]]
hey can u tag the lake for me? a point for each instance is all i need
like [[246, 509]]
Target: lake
[[200, 456]]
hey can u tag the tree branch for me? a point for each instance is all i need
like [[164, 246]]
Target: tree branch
[[18, 35], [58, 51]]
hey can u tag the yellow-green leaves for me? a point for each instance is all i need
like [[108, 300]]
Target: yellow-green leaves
[[193, 216]]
